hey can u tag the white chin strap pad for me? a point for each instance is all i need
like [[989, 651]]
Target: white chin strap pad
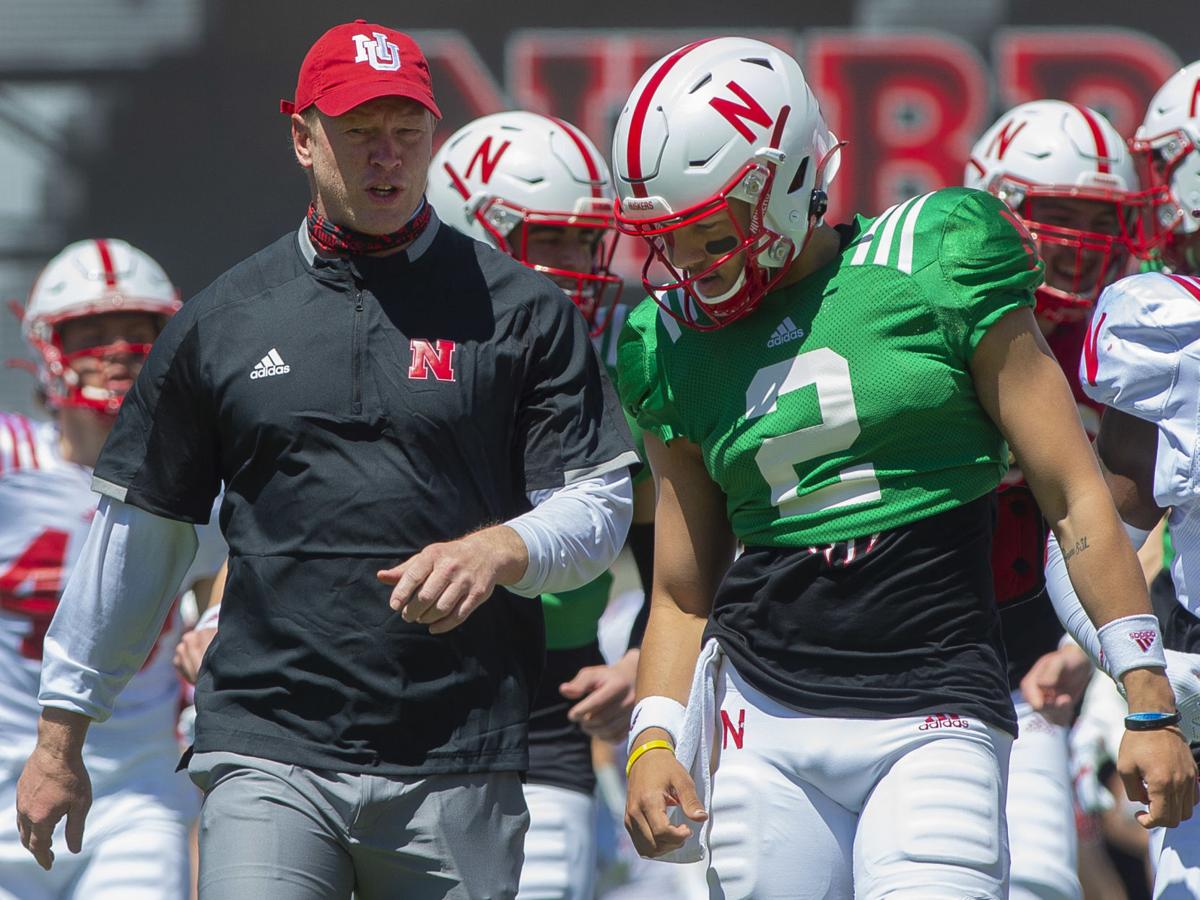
[[728, 295]]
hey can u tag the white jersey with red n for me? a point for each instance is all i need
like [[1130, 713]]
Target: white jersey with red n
[[1142, 357], [46, 506]]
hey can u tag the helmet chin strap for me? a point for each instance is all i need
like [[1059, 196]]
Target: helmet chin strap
[[729, 294]]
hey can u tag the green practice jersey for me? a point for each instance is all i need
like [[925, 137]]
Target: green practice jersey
[[572, 617], [844, 405]]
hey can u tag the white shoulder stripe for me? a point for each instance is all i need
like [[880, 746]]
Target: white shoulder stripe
[[907, 234], [883, 249], [864, 242]]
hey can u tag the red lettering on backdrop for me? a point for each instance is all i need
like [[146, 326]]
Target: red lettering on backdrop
[[909, 109], [744, 109], [466, 87], [729, 731], [426, 359], [1114, 71]]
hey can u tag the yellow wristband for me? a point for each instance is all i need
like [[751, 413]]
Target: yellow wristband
[[645, 748]]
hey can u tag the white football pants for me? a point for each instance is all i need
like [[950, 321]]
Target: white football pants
[[135, 845], [560, 845], [1041, 811], [811, 807], [1176, 856]]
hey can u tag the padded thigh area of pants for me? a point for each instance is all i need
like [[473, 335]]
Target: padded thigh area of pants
[[934, 825]]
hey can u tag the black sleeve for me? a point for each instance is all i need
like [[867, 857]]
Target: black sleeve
[[641, 545], [570, 424], [162, 455]]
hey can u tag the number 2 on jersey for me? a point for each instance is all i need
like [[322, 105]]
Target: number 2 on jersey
[[838, 429]]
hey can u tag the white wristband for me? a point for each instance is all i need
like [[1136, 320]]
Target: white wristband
[[656, 712], [209, 618], [1131, 642]]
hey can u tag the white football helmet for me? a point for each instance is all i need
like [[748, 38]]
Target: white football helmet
[[721, 119], [91, 278], [1167, 147], [504, 174], [1051, 149]]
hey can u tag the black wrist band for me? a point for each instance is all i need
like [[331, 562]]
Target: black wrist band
[[1151, 721]]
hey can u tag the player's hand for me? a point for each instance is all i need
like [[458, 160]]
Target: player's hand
[[1157, 769], [607, 694], [53, 784], [443, 584], [656, 783], [190, 650], [1056, 682]]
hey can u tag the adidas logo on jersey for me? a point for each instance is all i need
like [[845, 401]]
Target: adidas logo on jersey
[[271, 364], [785, 332]]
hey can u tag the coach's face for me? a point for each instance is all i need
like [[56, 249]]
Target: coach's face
[[369, 165]]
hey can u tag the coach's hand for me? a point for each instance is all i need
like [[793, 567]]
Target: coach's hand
[[444, 583], [1056, 682], [657, 782], [54, 784], [190, 650], [607, 694]]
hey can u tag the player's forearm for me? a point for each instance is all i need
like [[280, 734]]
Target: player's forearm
[[1084, 603], [113, 607], [669, 651], [1100, 560]]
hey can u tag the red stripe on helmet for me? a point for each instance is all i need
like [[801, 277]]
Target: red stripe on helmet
[[1195, 99], [106, 260], [1098, 136], [459, 184], [16, 449], [1188, 284], [593, 170], [639, 114], [24, 423]]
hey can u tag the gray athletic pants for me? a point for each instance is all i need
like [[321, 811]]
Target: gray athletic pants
[[271, 831]]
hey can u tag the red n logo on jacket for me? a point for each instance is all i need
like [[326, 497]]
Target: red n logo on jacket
[[425, 359]]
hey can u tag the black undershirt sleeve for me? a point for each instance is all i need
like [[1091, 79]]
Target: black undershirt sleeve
[[641, 545]]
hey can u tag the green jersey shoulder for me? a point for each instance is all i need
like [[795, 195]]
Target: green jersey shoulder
[[844, 404]]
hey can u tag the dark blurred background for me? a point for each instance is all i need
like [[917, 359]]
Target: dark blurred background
[[157, 120]]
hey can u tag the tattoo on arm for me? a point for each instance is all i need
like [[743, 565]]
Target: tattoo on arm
[[1080, 546]]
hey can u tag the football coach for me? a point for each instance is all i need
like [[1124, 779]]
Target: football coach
[[415, 437]]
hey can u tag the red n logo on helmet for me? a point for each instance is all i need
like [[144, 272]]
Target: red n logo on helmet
[[425, 359], [487, 163], [999, 145], [734, 112]]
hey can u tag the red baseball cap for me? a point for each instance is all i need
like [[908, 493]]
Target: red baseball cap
[[353, 63]]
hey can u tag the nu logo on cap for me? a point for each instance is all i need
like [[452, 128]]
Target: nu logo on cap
[[380, 53]]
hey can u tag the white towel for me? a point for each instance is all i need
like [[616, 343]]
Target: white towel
[[695, 751]]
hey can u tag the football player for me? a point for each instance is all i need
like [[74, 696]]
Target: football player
[[1067, 174], [537, 188], [1141, 360], [838, 399], [1167, 145], [92, 315]]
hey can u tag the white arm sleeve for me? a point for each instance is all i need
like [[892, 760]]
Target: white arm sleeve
[[1066, 603], [113, 607], [574, 533]]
